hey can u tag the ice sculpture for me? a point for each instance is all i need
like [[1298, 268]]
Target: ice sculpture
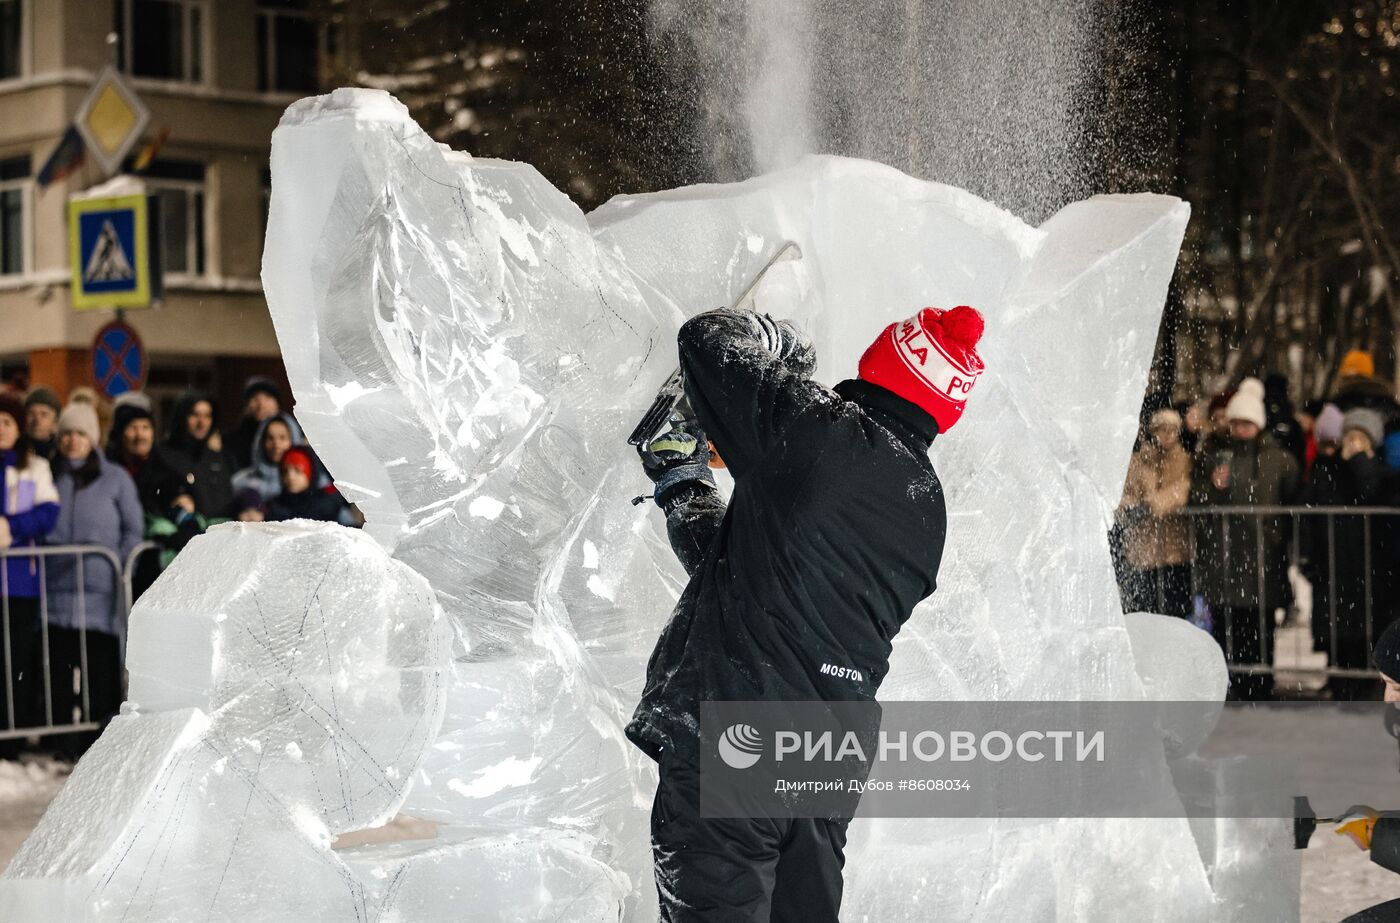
[[286, 681], [468, 352]]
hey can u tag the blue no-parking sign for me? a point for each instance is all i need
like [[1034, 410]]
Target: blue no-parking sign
[[118, 360]]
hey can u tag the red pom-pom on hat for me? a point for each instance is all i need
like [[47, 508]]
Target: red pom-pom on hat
[[930, 360], [964, 325]]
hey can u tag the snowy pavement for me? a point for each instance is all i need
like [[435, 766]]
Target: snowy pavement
[[26, 788], [1338, 879]]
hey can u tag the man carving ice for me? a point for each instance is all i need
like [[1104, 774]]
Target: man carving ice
[[833, 534]]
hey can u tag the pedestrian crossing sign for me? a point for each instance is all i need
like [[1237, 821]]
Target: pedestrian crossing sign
[[109, 247]]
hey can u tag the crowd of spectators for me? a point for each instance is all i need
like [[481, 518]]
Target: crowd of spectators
[[65, 485], [1230, 502]]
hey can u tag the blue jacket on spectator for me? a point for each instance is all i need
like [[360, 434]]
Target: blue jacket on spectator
[[30, 503], [98, 506]]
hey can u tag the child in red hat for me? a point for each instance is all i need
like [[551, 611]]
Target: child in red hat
[[299, 498]]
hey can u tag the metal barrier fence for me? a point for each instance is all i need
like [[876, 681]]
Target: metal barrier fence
[[1379, 569], [122, 571]]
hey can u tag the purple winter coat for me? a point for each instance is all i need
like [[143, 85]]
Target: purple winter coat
[[30, 503]]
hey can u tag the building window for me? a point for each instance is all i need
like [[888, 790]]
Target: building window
[[180, 187], [11, 47], [14, 195], [163, 39], [291, 45]]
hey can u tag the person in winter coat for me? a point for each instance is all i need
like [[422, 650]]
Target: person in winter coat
[[275, 436], [165, 495], [191, 451], [28, 512], [128, 406], [1240, 559], [262, 400], [99, 506], [41, 410], [1345, 589], [1359, 386], [1281, 422], [1328, 431], [132, 445], [1217, 434], [1155, 540], [833, 534], [300, 498]]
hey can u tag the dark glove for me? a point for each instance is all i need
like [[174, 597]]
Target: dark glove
[[784, 340], [680, 455]]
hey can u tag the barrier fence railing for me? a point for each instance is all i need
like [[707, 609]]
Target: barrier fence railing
[[1356, 593], [21, 715]]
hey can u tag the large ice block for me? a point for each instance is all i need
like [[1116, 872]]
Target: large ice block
[[322, 661], [521, 877], [102, 810], [157, 823], [506, 343], [286, 682]]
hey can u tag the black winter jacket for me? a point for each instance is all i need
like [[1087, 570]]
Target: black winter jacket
[[206, 474], [833, 534]]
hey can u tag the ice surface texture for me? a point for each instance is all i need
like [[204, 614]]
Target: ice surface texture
[[286, 681], [469, 352]]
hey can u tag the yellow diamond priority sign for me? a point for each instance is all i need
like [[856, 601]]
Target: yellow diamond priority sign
[[111, 120]]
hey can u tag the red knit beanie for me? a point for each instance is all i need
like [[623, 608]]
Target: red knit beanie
[[298, 458], [930, 359]]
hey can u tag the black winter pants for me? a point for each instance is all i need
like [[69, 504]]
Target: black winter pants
[[740, 870], [25, 668], [1240, 628], [103, 681]]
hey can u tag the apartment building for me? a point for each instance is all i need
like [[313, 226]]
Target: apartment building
[[217, 75]]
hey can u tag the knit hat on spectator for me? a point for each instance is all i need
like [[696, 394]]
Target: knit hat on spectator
[[11, 405], [260, 385], [1166, 417], [1248, 403], [133, 399], [247, 498], [1387, 654], [1368, 421], [41, 395], [79, 418], [297, 457], [930, 360], [1328, 426], [124, 414], [1357, 363]]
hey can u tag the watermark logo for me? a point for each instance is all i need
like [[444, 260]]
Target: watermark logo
[[740, 746]]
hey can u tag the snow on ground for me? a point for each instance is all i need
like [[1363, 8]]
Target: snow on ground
[[1339, 879], [26, 788]]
